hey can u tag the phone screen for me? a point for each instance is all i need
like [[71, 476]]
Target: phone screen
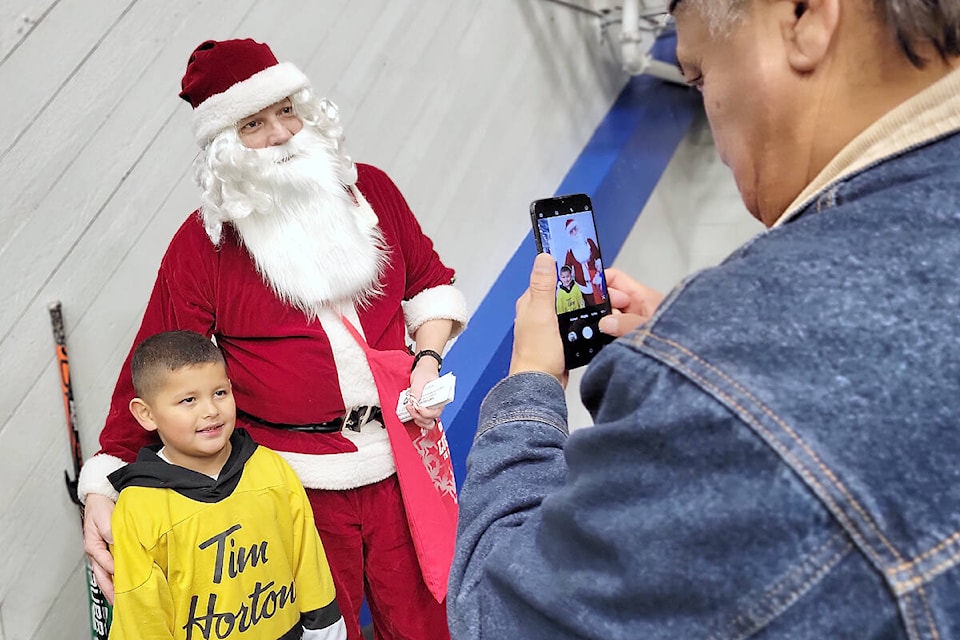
[[565, 228]]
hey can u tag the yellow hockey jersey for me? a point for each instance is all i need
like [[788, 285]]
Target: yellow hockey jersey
[[236, 557], [569, 299]]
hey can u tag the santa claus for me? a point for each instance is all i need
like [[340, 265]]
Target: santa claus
[[583, 257], [301, 265]]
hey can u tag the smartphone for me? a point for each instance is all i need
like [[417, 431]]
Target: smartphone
[[564, 227]]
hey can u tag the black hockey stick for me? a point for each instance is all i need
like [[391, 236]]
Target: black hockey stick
[[100, 611]]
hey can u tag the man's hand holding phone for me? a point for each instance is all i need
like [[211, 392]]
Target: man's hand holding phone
[[633, 304], [565, 228], [536, 333]]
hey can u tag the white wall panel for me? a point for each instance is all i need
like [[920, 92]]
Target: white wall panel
[[18, 18], [60, 38]]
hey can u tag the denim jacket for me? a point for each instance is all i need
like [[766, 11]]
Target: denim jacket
[[776, 454]]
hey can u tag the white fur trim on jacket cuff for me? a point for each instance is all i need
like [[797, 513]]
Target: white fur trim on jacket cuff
[[93, 476], [444, 302], [245, 98]]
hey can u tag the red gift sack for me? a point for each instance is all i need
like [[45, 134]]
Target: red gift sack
[[424, 469]]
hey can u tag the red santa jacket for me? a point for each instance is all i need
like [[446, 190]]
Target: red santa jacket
[[281, 365]]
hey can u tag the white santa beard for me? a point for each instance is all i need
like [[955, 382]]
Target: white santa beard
[[313, 245], [581, 249]]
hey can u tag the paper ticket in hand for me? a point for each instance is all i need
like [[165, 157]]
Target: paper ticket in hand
[[436, 393]]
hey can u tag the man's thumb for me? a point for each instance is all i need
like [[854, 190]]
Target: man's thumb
[[543, 278]]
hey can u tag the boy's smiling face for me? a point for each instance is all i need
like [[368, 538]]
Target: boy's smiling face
[[194, 413]]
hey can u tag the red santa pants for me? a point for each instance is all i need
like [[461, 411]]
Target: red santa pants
[[368, 545]]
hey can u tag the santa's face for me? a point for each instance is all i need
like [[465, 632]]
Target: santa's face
[[271, 126]]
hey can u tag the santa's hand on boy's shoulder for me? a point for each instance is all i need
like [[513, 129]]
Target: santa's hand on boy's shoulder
[[97, 534]]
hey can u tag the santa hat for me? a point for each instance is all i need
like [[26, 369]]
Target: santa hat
[[570, 222], [229, 80]]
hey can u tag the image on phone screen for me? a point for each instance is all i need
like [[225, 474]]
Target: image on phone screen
[[565, 228]]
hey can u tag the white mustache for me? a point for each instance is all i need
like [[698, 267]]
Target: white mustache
[[292, 148]]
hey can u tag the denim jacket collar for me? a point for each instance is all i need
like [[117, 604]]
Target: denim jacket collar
[[931, 114]]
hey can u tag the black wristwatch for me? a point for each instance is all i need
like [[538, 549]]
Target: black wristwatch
[[427, 352]]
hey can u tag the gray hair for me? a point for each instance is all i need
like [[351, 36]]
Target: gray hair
[[721, 16], [911, 22], [914, 22]]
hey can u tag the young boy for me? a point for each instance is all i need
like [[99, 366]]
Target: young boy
[[213, 535], [569, 296]]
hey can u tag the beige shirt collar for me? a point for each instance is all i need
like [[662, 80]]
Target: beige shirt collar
[[932, 113]]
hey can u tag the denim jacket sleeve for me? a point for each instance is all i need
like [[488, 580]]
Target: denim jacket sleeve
[[668, 518]]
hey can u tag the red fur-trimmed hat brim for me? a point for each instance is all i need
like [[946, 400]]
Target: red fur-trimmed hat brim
[[227, 81], [245, 98]]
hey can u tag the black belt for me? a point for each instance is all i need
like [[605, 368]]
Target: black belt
[[353, 420]]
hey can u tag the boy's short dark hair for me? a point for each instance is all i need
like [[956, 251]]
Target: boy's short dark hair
[[566, 268], [168, 351]]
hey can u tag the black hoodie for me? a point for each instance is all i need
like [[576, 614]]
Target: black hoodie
[[150, 470]]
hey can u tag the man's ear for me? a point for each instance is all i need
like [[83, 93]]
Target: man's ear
[[142, 412], [809, 34]]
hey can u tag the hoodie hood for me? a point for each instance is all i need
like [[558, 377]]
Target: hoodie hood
[[149, 470]]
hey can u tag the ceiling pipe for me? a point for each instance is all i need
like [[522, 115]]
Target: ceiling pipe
[[630, 37], [634, 56]]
